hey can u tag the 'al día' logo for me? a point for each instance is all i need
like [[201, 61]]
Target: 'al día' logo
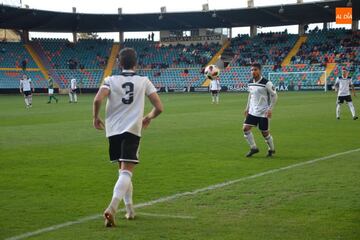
[[344, 15]]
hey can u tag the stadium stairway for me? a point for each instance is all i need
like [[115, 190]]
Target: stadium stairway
[[329, 68], [112, 59], [215, 59], [37, 60], [294, 51]]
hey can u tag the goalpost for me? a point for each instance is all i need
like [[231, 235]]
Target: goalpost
[[313, 80]]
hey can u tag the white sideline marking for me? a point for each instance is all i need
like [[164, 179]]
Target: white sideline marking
[[164, 215], [178, 195]]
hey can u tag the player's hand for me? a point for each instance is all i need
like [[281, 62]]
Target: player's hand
[[246, 112], [146, 122], [269, 113], [98, 124]]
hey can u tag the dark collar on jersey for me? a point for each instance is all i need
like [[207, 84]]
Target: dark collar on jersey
[[262, 80], [128, 73]]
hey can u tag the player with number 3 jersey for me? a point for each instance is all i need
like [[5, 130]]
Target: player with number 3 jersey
[[124, 120]]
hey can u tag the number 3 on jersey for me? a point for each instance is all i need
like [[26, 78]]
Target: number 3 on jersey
[[129, 91]]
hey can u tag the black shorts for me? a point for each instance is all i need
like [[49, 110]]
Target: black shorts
[[76, 90], [27, 93], [342, 98], [124, 148], [255, 121], [214, 92]]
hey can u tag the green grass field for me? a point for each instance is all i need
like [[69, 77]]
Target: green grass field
[[54, 170]]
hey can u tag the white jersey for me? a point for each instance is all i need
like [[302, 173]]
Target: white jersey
[[73, 84], [25, 84], [125, 103], [343, 85], [215, 85], [262, 97]]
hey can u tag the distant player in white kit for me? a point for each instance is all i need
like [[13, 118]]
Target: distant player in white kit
[[342, 87], [215, 90], [73, 91], [261, 101], [124, 121], [25, 88]]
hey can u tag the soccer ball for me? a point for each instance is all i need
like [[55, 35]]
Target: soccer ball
[[211, 71]]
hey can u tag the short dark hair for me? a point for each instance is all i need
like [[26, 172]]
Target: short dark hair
[[128, 58], [257, 65]]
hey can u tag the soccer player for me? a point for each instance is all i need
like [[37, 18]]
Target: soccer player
[[51, 89], [342, 87], [261, 101], [25, 88], [124, 121], [215, 89], [73, 90]]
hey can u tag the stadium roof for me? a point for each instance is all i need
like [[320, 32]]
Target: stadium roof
[[292, 14]]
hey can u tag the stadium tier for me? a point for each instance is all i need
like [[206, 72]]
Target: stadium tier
[[329, 46], [11, 79], [87, 78], [267, 48], [13, 54], [171, 77], [84, 60], [178, 65], [62, 54], [152, 54]]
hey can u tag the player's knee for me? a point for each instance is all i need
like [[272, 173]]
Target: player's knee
[[246, 128]]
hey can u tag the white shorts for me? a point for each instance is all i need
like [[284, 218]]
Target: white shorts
[[51, 91]]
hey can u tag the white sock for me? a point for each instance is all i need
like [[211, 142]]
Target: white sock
[[121, 187], [337, 110], [26, 101], [71, 97], [270, 142], [213, 98], [130, 213], [128, 195], [352, 108], [30, 100], [217, 98], [250, 139], [75, 97]]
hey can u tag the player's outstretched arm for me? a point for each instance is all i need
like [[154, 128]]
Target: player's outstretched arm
[[156, 111], [101, 94]]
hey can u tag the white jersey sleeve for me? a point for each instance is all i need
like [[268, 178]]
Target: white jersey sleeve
[[150, 88], [272, 94], [106, 83]]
